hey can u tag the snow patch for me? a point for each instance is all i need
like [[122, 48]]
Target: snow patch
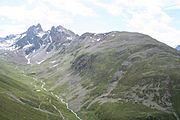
[[69, 38], [7, 48], [53, 61], [17, 37], [66, 44], [40, 62], [9, 43], [27, 46], [22, 35], [54, 65], [98, 39], [50, 39], [6, 43], [26, 56], [28, 59], [59, 30], [40, 34]]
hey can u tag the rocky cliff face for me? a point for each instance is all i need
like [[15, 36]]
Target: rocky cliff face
[[35, 38], [35, 43]]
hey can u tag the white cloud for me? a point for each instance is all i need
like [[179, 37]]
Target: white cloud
[[20, 15], [75, 7], [147, 17], [175, 5], [112, 8], [143, 16], [46, 12], [156, 23], [4, 30]]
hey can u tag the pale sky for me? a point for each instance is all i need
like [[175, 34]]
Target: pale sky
[[157, 18]]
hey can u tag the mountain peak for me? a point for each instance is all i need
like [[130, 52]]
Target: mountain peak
[[34, 29], [38, 25], [59, 28], [53, 28]]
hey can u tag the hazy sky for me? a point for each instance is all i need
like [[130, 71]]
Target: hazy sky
[[157, 18]]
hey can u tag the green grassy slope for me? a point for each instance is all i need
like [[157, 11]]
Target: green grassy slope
[[20, 100], [125, 76], [150, 74]]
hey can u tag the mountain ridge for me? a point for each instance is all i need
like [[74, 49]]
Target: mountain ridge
[[114, 75]]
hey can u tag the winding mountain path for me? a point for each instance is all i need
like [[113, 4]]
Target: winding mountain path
[[59, 98]]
